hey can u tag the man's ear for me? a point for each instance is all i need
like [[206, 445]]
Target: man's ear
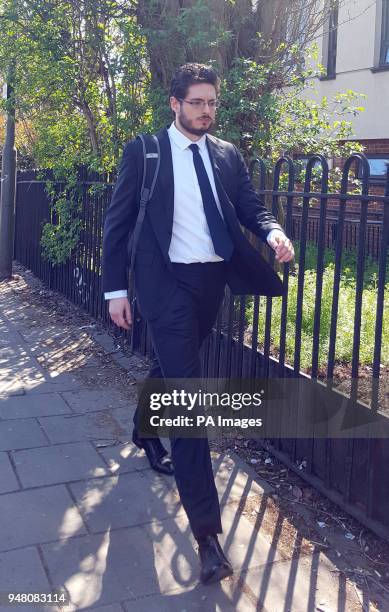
[[174, 104]]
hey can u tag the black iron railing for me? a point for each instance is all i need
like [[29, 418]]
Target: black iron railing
[[352, 472]]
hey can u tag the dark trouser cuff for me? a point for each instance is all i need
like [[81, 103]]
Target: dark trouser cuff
[[201, 535]]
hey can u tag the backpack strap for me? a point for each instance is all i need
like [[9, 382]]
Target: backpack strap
[[151, 164]]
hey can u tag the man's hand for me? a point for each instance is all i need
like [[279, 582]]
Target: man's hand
[[282, 246], [120, 312]]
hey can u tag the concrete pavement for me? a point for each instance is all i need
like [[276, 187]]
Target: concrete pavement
[[80, 509]]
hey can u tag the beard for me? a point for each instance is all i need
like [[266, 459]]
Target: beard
[[189, 124]]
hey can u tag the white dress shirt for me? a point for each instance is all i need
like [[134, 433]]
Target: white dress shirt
[[191, 241]]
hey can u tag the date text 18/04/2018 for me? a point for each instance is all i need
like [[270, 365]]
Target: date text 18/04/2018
[[207, 421]]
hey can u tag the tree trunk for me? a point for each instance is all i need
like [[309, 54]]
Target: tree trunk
[[8, 189], [92, 130]]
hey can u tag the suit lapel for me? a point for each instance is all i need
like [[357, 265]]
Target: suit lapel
[[217, 156]]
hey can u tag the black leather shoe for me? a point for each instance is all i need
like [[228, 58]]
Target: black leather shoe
[[214, 564], [155, 453]]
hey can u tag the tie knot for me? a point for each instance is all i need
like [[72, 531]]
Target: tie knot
[[194, 147]]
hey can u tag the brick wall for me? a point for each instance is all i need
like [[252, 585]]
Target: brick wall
[[374, 147]]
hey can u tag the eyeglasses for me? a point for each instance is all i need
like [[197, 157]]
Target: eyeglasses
[[200, 104]]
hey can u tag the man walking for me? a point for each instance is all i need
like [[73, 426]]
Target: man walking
[[191, 244]]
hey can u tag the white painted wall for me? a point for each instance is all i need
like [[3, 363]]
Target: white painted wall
[[358, 50]]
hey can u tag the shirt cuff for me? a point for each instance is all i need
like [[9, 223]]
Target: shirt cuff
[[110, 295], [272, 233]]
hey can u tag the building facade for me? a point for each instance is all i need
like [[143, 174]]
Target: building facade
[[354, 49]]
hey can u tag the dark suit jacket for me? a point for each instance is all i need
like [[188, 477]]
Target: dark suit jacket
[[247, 271]]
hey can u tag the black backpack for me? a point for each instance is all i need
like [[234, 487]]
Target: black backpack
[[151, 163]]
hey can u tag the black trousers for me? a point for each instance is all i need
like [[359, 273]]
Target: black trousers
[[177, 335]]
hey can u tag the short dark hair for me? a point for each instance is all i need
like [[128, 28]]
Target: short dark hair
[[190, 74]]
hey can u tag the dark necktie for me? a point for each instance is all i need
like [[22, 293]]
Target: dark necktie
[[222, 242]]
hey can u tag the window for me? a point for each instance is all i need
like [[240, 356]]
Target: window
[[332, 40], [378, 168], [384, 53]]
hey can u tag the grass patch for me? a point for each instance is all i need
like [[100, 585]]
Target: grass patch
[[346, 310]]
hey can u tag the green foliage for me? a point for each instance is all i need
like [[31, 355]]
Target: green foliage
[[247, 105], [85, 90], [266, 120], [81, 87], [61, 236], [346, 310]]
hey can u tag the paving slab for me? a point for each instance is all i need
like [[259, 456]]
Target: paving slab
[[107, 568], [8, 481], [38, 515], [38, 405], [21, 571], [304, 583], [122, 458], [80, 427], [21, 433], [130, 499], [90, 400], [58, 464]]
